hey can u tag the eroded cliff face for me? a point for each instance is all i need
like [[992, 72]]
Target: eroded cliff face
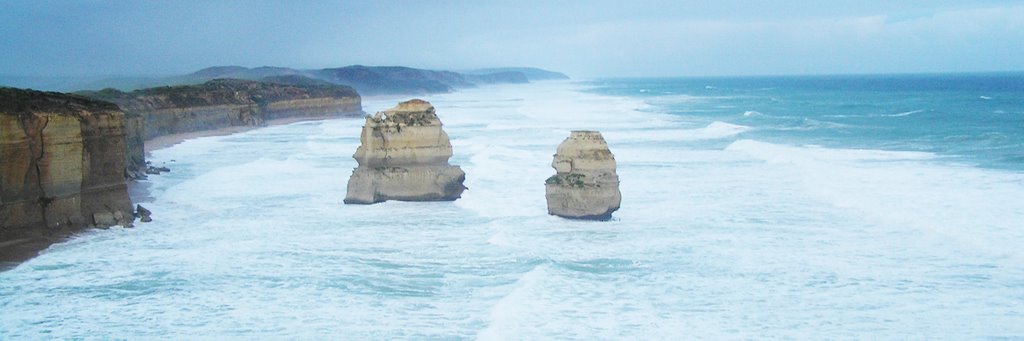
[[62, 165], [218, 104], [135, 148], [221, 103], [403, 155], [585, 185]]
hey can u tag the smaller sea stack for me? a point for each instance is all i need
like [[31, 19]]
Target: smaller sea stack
[[585, 185], [403, 155]]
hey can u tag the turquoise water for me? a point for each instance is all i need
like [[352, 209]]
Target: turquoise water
[[752, 208], [973, 118]]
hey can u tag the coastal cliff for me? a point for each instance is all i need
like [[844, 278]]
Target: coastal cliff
[[223, 103], [62, 163], [219, 104], [585, 185], [403, 155]]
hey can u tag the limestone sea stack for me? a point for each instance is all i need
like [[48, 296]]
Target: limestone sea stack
[[585, 185], [403, 155]]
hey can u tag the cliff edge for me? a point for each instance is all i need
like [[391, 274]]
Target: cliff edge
[[223, 103], [585, 185], [403, 155], [61, 169]]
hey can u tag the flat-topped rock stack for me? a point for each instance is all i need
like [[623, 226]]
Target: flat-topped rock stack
[[403, 155], [585, 185]]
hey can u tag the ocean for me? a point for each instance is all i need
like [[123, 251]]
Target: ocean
[[882, 207]]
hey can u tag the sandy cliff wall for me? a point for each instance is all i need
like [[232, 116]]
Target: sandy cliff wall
[[224, 103], [178, 120], [219, 104], [62, 164], [135, 151]]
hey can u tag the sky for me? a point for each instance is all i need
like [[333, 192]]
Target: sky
[[581, 38]]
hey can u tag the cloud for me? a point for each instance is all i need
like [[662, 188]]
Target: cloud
[[668, 38], [953, 40]]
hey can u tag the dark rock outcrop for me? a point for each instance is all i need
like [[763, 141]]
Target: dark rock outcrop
[[143, 214], [403, 155], [62, 166], [585, 185], [135, 151]]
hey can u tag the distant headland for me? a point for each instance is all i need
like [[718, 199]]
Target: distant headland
[[367, 80]]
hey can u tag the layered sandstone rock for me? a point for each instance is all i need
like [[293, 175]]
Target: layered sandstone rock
[[221, 103], [135, 148], [585, 185], [403, 155], [62, 164]]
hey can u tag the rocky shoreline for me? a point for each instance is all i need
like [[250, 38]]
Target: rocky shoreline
[[403, 155], [62, 170], [68, 160], [167, 115]]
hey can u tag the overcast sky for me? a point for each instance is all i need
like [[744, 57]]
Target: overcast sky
[[581, 38]]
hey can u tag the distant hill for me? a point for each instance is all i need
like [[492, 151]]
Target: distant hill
[[218, 92], [375, 80], [296, 80], [533, 74], [240, 72], [367, 80], [497, 77]]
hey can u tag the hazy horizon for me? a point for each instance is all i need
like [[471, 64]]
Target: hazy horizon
[[582, 39]]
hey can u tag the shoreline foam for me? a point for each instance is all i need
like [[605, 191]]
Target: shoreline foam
[[161, 142], [16, 252]]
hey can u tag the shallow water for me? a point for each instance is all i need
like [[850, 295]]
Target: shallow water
[[728, 229]]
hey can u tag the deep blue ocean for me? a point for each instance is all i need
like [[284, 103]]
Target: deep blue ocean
[[972, 118], [849, 207]]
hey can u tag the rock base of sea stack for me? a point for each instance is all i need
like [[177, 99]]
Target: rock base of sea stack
[[585, 185], [403, 155], [417, 183]]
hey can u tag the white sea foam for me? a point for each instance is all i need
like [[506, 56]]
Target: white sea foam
[[901, 114], [505, 315], [903, 190], [791, 154], [713, 131], [906, 113], [678, 99], [752, 240]]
